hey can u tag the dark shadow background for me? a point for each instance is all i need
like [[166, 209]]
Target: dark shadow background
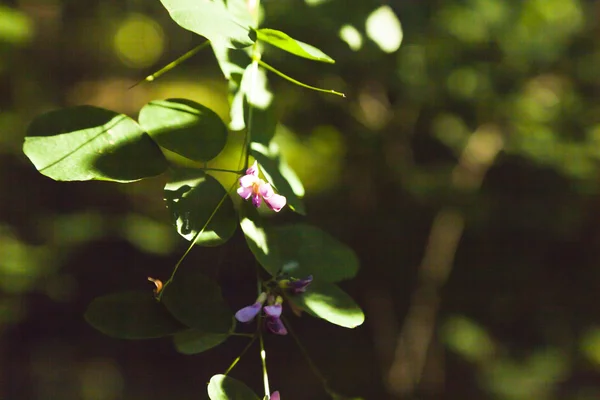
[[515, 311]]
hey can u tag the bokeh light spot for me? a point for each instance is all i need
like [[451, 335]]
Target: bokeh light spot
[[383, 27], [139, 41]]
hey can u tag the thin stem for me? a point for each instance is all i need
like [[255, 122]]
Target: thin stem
[[239, 172], [309, 360], [173, 64], [263, 358], [250, 111], [233, 364], [197, 236], [250, 335], [296, 82]]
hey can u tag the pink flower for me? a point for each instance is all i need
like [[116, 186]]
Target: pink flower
[[252, 186], [275, 396]]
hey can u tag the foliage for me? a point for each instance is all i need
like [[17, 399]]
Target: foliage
[[87, 143]]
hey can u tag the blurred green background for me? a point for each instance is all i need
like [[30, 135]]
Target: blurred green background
[[463, 168]]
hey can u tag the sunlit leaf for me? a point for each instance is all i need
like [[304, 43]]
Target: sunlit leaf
[[329, 302], [252, 92], [291, 45], [193, 341], [84, 143], [196, 301], [184, 127], [279, 174], [213, 20], [309, 250], [131, 315], [192, 196], [223, 387]]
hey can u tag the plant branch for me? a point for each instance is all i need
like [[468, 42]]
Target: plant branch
[[193, 242], [234, 363], [296, 82], [172, 65]]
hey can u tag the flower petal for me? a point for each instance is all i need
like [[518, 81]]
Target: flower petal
[[248, 313], [245, 192], [275, 396], [249, 181], [273, 311], [299, 285], [276, 202], [253, 170], [276, 326], [266, 190], [256, 200]]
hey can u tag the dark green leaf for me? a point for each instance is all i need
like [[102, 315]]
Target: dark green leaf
[[84, 143], [193, 341], [213, 20], [304, 249], [329, 302], [264, 125], [185, 127], [291, 45], [196, 301], [279, 174], [222, 387], [192, 196], [131, 315]]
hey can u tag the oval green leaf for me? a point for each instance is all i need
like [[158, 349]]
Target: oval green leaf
[[196, 301], [89, 143], [184, 127], [279, 174], [213, 20], [291, 45], [193, 341], [329, 302], [222, 387], [131, 315], [192, 196], [303, 249]]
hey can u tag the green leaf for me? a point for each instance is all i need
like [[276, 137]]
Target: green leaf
[[264, 125], [303, 249], [329, 302], [185, 127], [279, 174], [291, 45], [131, 315], [192, 196], [222, 387], [252, 91], [213, 20], [84, 143], [196, 301], [193, 341]]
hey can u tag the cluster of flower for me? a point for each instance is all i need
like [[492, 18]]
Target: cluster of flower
[[273, 302], [252, 186]]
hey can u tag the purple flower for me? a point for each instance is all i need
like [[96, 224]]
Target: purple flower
[[248, 313], [252, 186], [296, 285], [273, 311], [276, 326], [273, 321], [275, 396], [299, 285]]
